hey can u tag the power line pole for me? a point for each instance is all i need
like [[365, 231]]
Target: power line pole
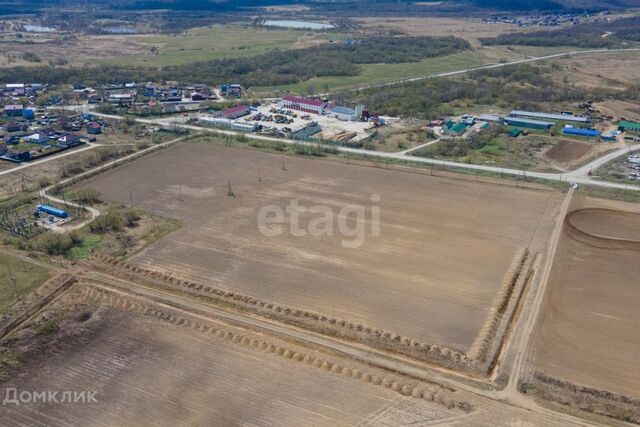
[[230, 192]]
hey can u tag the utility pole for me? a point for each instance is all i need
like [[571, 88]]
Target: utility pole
[[130, 198], [230, 192], [259, 175], [283, 168]]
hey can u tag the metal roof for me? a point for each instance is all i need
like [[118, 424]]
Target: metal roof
[[300, 100], [563, 117], [625, 124], [343, 110], [528, 121]]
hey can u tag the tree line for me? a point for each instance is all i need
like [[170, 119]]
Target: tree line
[[279, 67], [526, 87]]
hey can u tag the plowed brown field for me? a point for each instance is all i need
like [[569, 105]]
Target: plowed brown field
[[432, 274], [588, 334]]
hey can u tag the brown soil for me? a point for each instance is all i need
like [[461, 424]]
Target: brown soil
[[433, 273], [169, 368], [588, 333], [565, 151], [619, 109]]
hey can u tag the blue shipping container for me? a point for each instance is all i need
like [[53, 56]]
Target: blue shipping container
[[581, 132], [53, 211]]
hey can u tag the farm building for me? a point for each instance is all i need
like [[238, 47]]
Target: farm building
[[69, 140], [221, 122], [488, 118], [527, 123], [302, 104], [591, 133], [514, 133], [627, 126], [453, 128], [235, 112], [38, 138], [232, 89], [549, 116], [94, 128], [121, 98], [201, 94], [345, 113], [12, 127], [28, 114], [13, 110]]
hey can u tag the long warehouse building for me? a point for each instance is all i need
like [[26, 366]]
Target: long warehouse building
[[527, 123], [549, 116]]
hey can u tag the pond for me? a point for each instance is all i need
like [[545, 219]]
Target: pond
[[120, 30], [302, 25], [38, 29]]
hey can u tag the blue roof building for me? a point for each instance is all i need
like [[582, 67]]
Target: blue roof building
[[590, 133]]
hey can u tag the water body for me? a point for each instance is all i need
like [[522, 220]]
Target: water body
[[38, 29], [301, 25], [120, 30]]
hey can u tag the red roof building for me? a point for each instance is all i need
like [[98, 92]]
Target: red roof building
[[302, 104], [235, 112]]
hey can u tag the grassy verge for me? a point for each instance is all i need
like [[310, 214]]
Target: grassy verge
[[26, 276]]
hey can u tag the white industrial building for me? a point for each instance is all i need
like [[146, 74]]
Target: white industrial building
[[221, 122]]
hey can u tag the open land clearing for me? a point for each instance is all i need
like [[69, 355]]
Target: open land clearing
[[99, 338], [470, 29], [116, 346], [591, 312], [433, 273], [157, 50], [608, 70]]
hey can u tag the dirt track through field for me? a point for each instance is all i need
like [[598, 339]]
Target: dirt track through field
[[443, 249]]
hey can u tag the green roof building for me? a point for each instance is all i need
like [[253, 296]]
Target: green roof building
[[453, 128], [626, 126]]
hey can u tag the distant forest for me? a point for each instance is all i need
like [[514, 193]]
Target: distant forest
[[273, 68], [587, 35], [342, 8]]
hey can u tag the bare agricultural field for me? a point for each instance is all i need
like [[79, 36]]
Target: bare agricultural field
[[164, 366], [443, 248], [591, 314]]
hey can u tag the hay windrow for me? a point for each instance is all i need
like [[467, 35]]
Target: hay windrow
[[402, 387], [317, 322]]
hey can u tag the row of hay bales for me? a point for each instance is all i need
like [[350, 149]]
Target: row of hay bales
[[585, 398], [418, 391], [480, 348], [309, 320]]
